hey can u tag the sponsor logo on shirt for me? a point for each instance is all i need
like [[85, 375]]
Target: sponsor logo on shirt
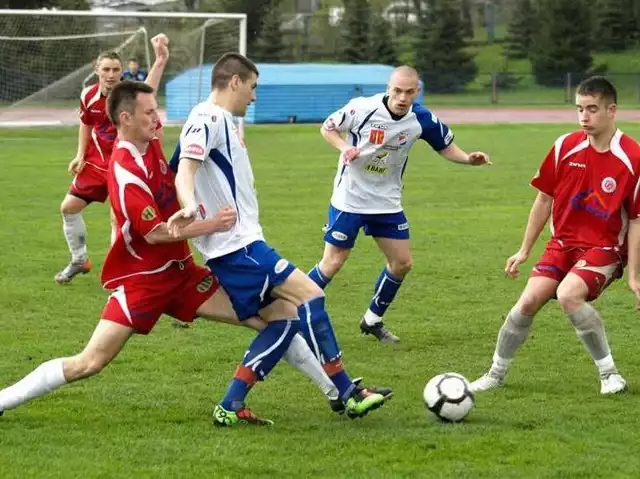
[[577, 165], [195, 150], [591, 202]]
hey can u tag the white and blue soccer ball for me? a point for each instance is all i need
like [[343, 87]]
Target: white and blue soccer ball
[[449, 397]]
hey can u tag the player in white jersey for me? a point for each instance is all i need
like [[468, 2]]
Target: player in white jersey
[[213, 172], [368, 186]]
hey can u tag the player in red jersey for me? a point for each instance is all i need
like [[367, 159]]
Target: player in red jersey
[[589, 185], [96, 138], [151, 271]]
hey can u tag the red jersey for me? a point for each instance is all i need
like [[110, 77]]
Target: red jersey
[[594, 194], [93, 112], [143, 195]]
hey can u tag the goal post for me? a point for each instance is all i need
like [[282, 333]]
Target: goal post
[[47, 56]]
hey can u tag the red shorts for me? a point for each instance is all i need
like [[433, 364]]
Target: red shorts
[[597, 267], [90, 184], [178, 291]]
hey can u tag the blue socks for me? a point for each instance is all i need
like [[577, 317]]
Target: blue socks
[[264, 353]]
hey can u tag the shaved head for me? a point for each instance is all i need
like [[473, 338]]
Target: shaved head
[[403, 88], [404, 72]]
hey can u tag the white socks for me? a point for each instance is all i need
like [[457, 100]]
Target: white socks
[[300, 357], [371, 318], [76, 234], [42, 380]]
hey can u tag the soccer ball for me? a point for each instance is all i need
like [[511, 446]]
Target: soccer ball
[[448, 396]]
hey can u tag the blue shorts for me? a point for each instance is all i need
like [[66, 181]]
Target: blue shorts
[[342, 229], [249, 275]]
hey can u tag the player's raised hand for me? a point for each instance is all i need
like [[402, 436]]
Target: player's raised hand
[[634, 286], [161, 46], [511, 268], [182, 219], [478, 158], [225, 218], [350, 154], [76, 166]]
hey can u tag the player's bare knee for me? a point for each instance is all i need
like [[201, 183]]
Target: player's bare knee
[[570, 299], [333, 262], [83, 365], [72, 205], [530, 303], [401, 267]]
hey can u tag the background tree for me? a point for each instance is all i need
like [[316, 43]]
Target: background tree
[[442, 60], [562, 43], [521, 30]]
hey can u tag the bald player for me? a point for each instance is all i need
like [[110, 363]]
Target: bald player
[[380, 130]]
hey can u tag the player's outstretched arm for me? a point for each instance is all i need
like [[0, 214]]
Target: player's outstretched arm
[[633, 240], [538, 217], [456, 154], [161, 49]]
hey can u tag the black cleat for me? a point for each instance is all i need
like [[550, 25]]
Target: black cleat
[[378, 330]]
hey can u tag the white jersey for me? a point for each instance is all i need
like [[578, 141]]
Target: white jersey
[[372, 184], [224, 178]]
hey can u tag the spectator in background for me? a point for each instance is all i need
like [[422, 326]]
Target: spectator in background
[[133, 71]]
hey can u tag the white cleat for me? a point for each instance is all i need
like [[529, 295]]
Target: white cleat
[[486, 382], [612, 384]]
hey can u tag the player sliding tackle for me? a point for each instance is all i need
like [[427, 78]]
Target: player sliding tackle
[[96, 138], [589, 185], [152, 272], [367, 189], [214, 171]]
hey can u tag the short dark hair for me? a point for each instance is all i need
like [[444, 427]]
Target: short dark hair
[[598, 86], [111, 55], [231, 64], [123, 98]]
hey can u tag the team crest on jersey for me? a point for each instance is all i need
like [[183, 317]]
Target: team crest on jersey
[[608, 185], [376, 136], [403, 138], [205, 285], [163, 167], [148, 214]]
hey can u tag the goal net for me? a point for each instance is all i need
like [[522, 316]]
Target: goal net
[[47, 58]]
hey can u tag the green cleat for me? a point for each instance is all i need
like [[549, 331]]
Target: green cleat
[[362, 402], [244, 415]]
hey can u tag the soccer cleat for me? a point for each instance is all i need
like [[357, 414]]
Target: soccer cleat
[[244, 415], [486, 382], [337, 405], [73, 269], [379, 332], [362, 402], [612, 384]]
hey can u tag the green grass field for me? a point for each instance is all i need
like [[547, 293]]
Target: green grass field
[[148, 414]]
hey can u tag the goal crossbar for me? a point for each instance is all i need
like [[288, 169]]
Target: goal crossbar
[[242, 17]]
